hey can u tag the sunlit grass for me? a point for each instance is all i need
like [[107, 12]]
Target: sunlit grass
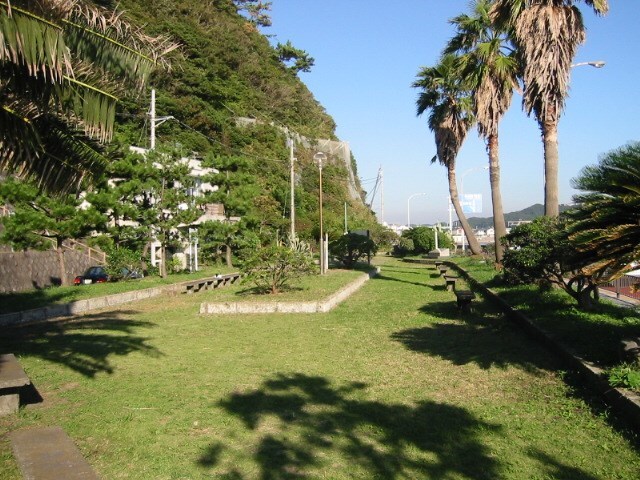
[[393, 383]]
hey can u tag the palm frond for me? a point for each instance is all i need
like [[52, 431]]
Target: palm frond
[[34, 42]]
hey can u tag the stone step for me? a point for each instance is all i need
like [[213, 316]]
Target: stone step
[[47, 453]]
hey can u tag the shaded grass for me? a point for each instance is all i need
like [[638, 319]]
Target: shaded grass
[[393, 383], [594, 335]]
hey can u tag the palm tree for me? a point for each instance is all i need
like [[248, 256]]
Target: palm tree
[[605, 225], [62, 64], [547, 34], [490, 69], [450, 120]]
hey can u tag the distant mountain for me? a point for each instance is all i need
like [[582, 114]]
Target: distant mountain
[[529, 213]]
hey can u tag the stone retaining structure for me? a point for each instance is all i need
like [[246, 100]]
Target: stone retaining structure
[[80, 306], [321, 306], [625, 402]]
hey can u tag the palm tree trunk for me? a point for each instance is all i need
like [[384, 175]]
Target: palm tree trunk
[[551, 159], [499, 226], [474, 246]]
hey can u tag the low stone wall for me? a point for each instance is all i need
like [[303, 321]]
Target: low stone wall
[[20, 271], [320, 306], [80, 306], [625, 402]]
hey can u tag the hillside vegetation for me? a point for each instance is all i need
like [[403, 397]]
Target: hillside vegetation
[[228, 70]]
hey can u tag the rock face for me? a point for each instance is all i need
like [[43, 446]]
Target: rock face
[[335, 150]]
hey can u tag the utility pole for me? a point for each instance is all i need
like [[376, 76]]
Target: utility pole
[[155, 121], [292, 210], [381, 196]]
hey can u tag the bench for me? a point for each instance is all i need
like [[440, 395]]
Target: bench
[[463, 299], [443, 269], [438, 263], [210, 282], [12, 380], [450, 282], [47, 453]]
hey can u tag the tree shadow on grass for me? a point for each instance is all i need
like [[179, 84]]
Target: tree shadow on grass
[[594, 335], [83, 344], [309, 419], [382, 277], [486, 345]]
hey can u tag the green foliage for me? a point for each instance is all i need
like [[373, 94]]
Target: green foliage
[[350, 248], [298, 60], [272, 268], [605, 224], [404, 247], [63, 63], [540, 252], [423, 239], [40, 221], [121, 260], [625, 376]]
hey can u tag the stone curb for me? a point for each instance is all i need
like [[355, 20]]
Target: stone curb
[[321, 306], [625, 402], [81, 306]]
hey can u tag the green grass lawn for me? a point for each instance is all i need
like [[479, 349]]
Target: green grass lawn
[[393, 383]]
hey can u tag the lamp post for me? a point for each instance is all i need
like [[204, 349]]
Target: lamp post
[[595, 64], [466, 172], [409, 208], [319, 158]]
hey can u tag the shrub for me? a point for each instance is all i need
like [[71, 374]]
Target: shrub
[[121, 260], [540, 252], [404, 247], [350, 248], [272, 268]]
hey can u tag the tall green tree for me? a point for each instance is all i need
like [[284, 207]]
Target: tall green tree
[[450, 119], [62, 65], [547, 34], [40, 221], [172, 206], [490, 69], [605, 225]]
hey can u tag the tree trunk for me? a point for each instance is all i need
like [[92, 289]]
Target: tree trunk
[[551, 159], [499, 225], [163, 261], [61, 265], [474, 246], [227, 254]]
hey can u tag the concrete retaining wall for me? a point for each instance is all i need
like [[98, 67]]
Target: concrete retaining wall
[[322, 306], [20, 271], [625, 402]]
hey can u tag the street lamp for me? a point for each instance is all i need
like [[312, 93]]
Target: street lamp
[[595, 64], [408, 207], [319, 158]]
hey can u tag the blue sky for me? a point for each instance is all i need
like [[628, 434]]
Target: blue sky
[[367, 54]]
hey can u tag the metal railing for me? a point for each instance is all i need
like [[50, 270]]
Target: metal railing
[[95, 255], [624, 286]]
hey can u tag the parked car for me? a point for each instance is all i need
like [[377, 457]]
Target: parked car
[[130, 274], [95, 274]]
